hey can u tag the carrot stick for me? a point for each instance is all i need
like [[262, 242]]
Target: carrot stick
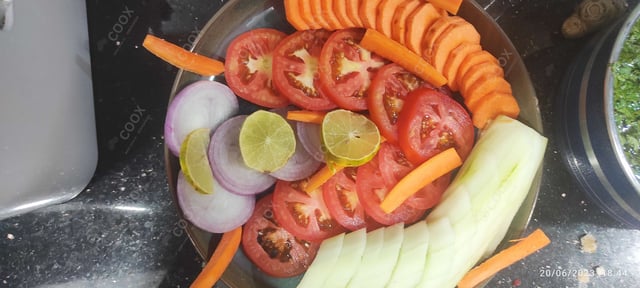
[[316, 180], [430, 170], [532, 243], [219, 260], [306, 116], [396, 52], [452, 6], [182, 58]]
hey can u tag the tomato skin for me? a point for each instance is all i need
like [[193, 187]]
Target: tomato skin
[[386, 95], [346, 69], [253, 50], [430, 123], [271, 248], [394, 165], [305, 215], [340, 194], [372, 189], [295, 69]]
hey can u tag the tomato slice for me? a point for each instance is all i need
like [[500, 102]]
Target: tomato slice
[[248, 67], [346, 69], [295, 69], [394, 165], [385, 99], [371, 189], [271, 248], [340, 194], [306, 216], [432, 122]]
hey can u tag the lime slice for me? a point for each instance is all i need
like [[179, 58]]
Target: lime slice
[[349, 138], [194, 161], [266, 141]]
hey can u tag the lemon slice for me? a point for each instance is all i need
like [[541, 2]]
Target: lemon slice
[[267, 141], [349, 138], [194, 161]]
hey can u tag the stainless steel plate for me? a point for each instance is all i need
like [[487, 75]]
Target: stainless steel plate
[[238, 16]]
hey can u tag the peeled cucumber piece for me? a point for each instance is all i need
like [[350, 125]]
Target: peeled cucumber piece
[[349, 259], [363, 276], [494, 180], [410, 265], [388, 257], [323, 264]]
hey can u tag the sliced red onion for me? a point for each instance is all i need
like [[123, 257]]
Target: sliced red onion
[[310, 138], [227, 164], [219, 212], [202, 104]]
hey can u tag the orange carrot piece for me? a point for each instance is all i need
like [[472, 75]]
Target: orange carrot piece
[[368, 11], [340, 9], [525, 247], [456, 56], [430, 170], [418, 22], [306, 116], [452, 6], [399, 21], [471, 60], [454, 35], [321, 176], [318, 15], [307, 15], [485, 85], [491, 106], [181, 58], [396, 52], [353, 11], [219, 261], [434, 32], [386, 9], [479, 71], [329, 14], [293, 15]]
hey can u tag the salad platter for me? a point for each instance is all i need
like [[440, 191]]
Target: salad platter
[[239, 16]]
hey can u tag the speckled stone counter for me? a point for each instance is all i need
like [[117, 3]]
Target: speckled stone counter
[[123, 229]]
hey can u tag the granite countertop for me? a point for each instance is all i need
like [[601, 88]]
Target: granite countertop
[[123, 229]]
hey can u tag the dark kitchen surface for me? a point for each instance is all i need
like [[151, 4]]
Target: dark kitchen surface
[[123, 230]]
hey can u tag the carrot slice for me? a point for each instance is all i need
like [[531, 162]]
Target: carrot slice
[[293, 15], [525, 247], [399, 21], [329, 14], [430, 170], [306, 116], [181, 58], [396, 52], [432, 35], [353, 11], [471, 60], [321, 176], [368, 11], [452, 6], [418, 22], [340, 9], [307, 15], [484, 85], [450, 38], [491, 106], [452, 64], [476, 72], [318, 15], [386, 9], [222, 256]]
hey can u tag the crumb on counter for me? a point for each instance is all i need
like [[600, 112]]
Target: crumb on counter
[[588, 243]]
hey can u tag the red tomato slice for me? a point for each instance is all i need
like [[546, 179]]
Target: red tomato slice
[[271, 248], [340, 194], [394, 165], [386, 96], [248, 67], [372, 188], [432, 122], [346, 69], [306, 216], [295, 69]]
